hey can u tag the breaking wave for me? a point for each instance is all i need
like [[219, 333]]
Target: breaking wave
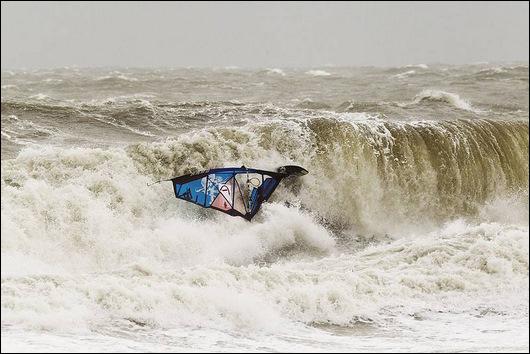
[[362, 171], [435, 96]]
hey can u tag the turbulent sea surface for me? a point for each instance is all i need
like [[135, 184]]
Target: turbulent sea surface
[[410, 233]]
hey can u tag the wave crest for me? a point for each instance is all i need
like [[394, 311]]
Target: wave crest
[[446, 97]]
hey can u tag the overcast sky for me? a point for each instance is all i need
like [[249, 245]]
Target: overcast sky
[[261, 34]]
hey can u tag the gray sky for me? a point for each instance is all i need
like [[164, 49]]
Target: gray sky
[[261, 34]]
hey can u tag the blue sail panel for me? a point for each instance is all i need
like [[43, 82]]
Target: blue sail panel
[[192, 191]]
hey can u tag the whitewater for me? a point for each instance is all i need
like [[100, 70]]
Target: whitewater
[[410, 232]]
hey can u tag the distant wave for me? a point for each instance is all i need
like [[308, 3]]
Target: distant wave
[[501, 71], [521, 66], [421, 66], [442, 96], [51, 80], [425, 97], [494, 70], [117, 77], [360, 106], [275, 71], [308, 103], [404, 75], [318, 73], [40, 96]]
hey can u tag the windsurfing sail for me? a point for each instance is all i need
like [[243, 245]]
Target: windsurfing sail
[[236, 191]]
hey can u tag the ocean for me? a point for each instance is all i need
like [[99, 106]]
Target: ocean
[[410, 232]]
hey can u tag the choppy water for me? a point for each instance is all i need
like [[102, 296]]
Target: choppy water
[[409, 234]]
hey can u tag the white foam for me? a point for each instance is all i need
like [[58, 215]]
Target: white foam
[[181, 272]]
